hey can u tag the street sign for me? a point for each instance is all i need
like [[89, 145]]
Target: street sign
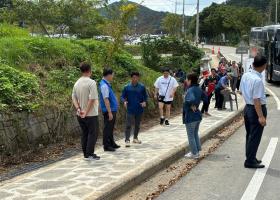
[[242, 48]]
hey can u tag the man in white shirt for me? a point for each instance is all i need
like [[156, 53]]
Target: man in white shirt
[[166, 87], [255, 113], [85, 100]]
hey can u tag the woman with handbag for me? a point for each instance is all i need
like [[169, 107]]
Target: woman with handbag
[[192, 115]]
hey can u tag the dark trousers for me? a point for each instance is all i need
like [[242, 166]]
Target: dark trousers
[[219, 98], [205, 106], [129, 120], [108, 136], [90, 127], [254, 132]]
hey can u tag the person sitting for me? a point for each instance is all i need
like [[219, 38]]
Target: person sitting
[[222, 86]]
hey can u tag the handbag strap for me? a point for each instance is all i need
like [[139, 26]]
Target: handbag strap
[[167, 87]]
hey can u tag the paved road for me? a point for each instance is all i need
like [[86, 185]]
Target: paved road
[[229, 52], [221, 176]]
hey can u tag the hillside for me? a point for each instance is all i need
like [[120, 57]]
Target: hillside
[[258, 4], [146, 21]]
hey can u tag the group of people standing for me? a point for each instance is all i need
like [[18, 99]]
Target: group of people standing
[[88, 98]]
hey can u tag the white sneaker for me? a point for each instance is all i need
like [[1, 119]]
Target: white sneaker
[[136, 141], [191, 156], [127, 143]]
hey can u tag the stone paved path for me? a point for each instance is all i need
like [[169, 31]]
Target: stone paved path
[[76, 179]]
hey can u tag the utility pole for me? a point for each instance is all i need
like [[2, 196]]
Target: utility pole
[[176, 4], [197, 24], [276, 12], [183, 20]]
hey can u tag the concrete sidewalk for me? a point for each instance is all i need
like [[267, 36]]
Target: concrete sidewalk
[[116, 172]]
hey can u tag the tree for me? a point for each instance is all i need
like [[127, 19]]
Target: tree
[[117, 26], [232, 21], [78, 17], [172, 24]]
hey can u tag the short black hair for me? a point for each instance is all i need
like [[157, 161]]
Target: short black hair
[[107, 71], [259, 61], [165, 69], [85, 67], [193, 77], [134, 74], [213, 69]]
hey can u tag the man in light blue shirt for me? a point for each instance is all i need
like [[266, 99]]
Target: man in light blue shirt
[[255, 113]]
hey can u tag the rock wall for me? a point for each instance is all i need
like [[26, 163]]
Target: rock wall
[[27, 131]]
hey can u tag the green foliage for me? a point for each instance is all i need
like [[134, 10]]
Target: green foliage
[[230, 20], [43, 51], [133, 49], [54, 62], [150, 54], [19, 90], [184, 55], [7, 30], [14, 52], [172, 24]]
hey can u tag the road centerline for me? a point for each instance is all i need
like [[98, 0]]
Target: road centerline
[[275, 97], [256, 182]]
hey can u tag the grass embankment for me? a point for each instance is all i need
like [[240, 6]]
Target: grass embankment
[[37, 71]]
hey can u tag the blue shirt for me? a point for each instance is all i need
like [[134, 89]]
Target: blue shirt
[[106, 92], [252, 87], [193, 97], [134, 95], [223, 83]]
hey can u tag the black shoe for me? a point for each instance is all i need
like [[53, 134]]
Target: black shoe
[[115, 146], [161, 121], [109, 149], [92, 157], [253, 165], [167, 123], [258, 161], [96, 157]]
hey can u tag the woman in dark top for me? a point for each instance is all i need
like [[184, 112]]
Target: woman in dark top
[[210, 83], [192, 115]]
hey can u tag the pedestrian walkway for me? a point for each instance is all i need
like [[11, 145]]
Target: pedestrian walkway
[[76, 179]]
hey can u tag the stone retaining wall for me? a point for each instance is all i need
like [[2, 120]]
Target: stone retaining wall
[[27, 131]]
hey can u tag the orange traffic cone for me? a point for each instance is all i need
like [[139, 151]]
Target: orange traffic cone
[[219, 51], [213, 50]]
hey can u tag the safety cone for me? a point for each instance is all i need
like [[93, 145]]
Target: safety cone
[[213, 50], [219, 51]]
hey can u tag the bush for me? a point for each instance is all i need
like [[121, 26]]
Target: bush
[[184, 55], [7, 30], [133, 49], [19, 90]]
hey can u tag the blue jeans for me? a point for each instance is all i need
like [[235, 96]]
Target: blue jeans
[[194, 141]]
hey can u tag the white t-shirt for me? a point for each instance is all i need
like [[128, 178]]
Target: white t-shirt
[[162, 84]]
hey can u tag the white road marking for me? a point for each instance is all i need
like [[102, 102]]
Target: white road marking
[[256, 182], [275, 97]]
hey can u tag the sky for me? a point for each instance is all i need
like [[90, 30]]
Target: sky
[[169, 5]]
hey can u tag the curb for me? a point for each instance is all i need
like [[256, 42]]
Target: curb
[[166, 160]]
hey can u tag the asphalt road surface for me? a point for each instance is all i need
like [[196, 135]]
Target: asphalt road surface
[[221, 176]]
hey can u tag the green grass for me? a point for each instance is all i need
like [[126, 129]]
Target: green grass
[[53, 63]]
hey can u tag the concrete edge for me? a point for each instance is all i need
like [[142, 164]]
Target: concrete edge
[[165, 161]]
